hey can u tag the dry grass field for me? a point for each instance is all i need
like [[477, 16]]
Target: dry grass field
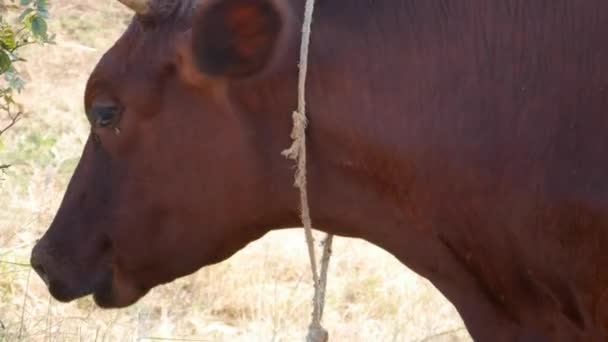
[[263, 293]]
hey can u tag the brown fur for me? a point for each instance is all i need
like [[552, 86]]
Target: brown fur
[[467, 138]]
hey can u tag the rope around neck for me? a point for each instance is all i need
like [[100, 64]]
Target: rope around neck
[[297, 152]]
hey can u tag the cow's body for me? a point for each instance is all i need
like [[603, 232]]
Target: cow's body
[[467, 138], [474, 147]]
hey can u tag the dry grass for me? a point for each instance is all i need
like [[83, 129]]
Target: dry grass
[[261, 294]]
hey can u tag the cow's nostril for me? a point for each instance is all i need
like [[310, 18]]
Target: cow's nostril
[[37, 266]]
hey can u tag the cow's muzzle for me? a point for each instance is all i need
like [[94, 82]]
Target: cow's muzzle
[[62, 282]]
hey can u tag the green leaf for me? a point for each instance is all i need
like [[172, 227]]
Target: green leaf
[[43, 13], [26, 14], [42, 4], [7, 38], [39, 27], [42, 8], [5, 62], [25, 2], [14, 81]]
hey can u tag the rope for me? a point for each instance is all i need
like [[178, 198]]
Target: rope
[[297, 152]]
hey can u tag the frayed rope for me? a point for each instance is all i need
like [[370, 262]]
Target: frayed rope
[[297, 152]]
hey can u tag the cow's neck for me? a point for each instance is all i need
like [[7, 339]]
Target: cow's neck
[[355, 179]]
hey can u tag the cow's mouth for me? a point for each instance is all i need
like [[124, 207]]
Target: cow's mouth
[[67, 291], [65, 294], [116, 291], [109, 290]]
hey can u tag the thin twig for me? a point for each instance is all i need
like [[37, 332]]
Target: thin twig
[[13, 120], [15, 263]]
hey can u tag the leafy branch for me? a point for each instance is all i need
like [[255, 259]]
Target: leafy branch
[[22, 23]]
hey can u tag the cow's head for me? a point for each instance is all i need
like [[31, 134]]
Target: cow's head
[[182, 167]]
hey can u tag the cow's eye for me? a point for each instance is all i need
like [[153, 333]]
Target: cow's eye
[[105, 115]]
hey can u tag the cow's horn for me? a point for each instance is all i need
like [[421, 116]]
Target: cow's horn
[[139, 6]]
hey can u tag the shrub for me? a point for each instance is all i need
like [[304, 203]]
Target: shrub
[[22, 23]]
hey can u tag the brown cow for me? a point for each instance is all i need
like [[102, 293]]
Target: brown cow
[[468, 138]]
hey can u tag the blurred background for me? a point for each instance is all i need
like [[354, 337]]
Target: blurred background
[[263, 293]]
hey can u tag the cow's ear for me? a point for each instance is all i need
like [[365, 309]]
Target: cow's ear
[[236, 38]]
